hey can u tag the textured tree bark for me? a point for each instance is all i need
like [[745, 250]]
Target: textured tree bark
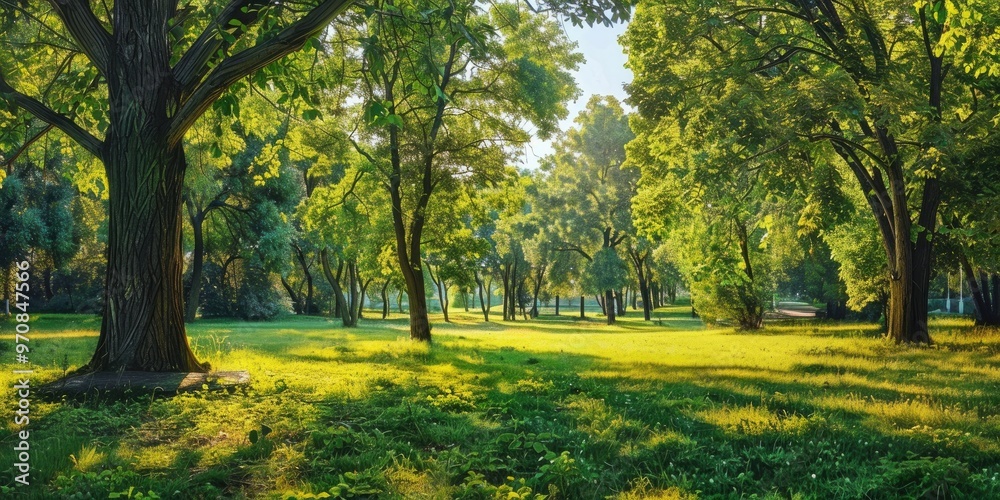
[[910, 269], [143, 324]]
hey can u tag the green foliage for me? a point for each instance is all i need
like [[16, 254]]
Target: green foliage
[[607, 271], [856, 247]]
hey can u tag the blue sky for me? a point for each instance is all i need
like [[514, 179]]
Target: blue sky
[[604, 73]]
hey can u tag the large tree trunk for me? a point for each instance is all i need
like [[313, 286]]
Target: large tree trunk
[[910, 265], [143, 324]]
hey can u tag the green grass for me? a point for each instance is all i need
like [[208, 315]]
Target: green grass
[[557, 406]]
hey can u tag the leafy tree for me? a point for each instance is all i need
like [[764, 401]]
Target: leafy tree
[[149, 71], [869, 80], [587, 190], [444, 85]]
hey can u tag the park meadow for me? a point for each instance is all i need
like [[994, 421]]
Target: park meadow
[[500, 249], [555, 407]]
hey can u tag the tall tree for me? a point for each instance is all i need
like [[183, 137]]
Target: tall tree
[[591, 189], [867, 79], [152, 69], [445, 86]]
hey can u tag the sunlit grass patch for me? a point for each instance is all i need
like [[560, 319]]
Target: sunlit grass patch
[[555, 406]]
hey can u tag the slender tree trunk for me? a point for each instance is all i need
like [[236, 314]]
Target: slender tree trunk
[[520, 301], [986, 314], [557, 305], [443, 300], [47, 283], [197, 261], [385, 300], [399, 302], [7, 280], [482, 283], [341, 304], [301, 257], [338, 293], [583, 312], [539, 277], [296, 304], [364, 297], [352, 279], [609, 306], [505, 282], [439, 285]]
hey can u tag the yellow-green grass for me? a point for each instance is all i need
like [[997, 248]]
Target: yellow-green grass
[[554, 406]]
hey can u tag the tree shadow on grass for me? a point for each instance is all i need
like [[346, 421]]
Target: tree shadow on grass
[[439, 418]]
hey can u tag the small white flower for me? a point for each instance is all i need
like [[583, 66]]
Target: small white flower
[[814, 476]]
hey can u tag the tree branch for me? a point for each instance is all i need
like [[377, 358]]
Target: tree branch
[[193, 65], [237, 66], [10, 161], [92, 39], [44, 113]]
